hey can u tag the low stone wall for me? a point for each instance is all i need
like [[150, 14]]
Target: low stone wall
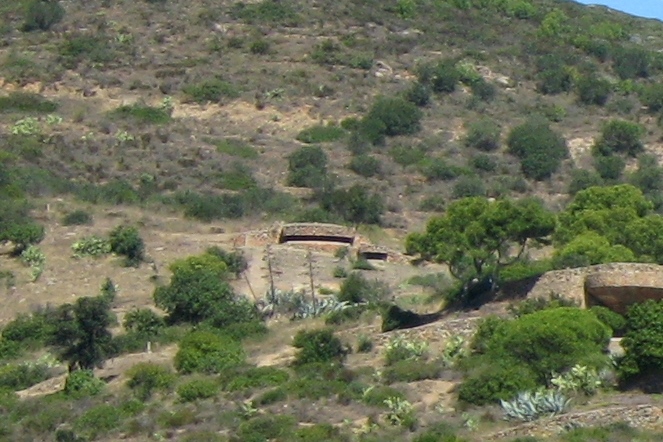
[[641, 416]]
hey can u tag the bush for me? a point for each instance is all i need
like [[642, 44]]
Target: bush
[[539, 149], [582, 179], [267, 427], [592, 90], [42, 15], [321, 134], [212, 90], [259, 47], [376, 395], [77, 218], [255, 377], [235, 261], [396, 116], [91, 246], [642, 341], [320, 432], [619, 136], [435, 169], [318, 346], [484, 163], [126, 241], [443, 77], [483, 90], [610, 167], [631, 63], [366, 166], [21, 376], [78, 47], [483, 134], [143, 114], [355, 205], [652, 97], [411, 371], [146, 377], [495, 381], [82, 383], [266, 11], [307, 167], [196, 389], [356, 288], [29, 330], [143, 321], [468, 186], [205, 352], [531, 305], [98, 420], [407, 155], [401, 349], [418, 94], [26, 102], [236, 148], [364, 344], [555, 80]]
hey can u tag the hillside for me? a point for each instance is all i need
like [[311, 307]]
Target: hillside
[[153, 149]]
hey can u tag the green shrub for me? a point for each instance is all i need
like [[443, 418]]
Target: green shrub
[[538, 147], [496, 381], [126, 241], [356, 288], [614, 320], [267, 427], [320, 432], [619, 136], [648, 177], [237, 177], [483, 90], [255, 377], [652, 97], [364, 344], [592, 90], [582, 179], [91, 246], [21, 376], [41, 15], [26, 102], [354, 205], [376, 395], [272, 396], [147, 377], [531, 305], [524, 269], [79, 47], [77, 218], [555, 80], [143, 114], [401, 349], [393, 116], [438, 169], [366, 166], [33, 330], [321, 134], [143, 321], [98, 420], [362, 264], [212, 90], [350, 313], [196, 389], [468, 186], [418, 94], [407, 155], [236, 148], [631, 62], [411, 371], [235, 261], [642, 341], [205, 352], [318, 346], [443, 432], [259, 47], [307, 167], [610, 167], [266, 11], [82, 383], [443, 77], [484, 163]]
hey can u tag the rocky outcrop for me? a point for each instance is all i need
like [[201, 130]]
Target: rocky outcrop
[[615, 285]]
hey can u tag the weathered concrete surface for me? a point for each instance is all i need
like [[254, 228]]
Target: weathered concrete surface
[[619, 286], [615, 285]]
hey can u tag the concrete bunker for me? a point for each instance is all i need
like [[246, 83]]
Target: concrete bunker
[[316, 232]]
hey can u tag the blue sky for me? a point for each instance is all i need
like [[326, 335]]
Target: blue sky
[[642, 8]]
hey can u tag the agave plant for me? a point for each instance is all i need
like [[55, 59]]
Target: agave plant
[[297, 305], [530, 405]]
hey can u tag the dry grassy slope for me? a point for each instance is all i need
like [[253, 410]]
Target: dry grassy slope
[[177, 43]]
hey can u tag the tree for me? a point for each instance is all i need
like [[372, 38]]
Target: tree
[[643, 341], [126, 241], [590, 248], [643, 236], [81, 332], [477, 237], [199, 291], [604, 210]]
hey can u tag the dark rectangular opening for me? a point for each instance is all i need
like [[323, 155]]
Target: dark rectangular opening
[[378, 256], [316, 238]]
